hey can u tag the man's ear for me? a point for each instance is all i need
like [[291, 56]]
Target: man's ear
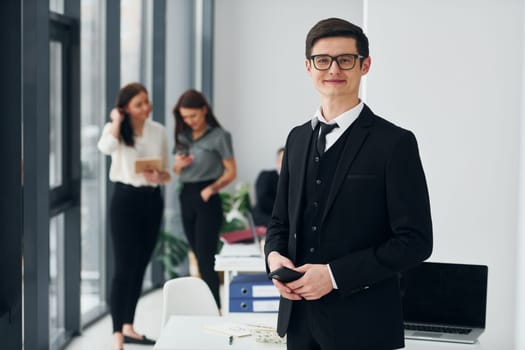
[[365, 66], [308, 65]]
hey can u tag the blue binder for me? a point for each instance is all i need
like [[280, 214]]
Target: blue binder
[[252, 286], [254, 304], [253, 293]]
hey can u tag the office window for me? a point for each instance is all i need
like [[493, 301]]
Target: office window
[[56, 281], [56, 6], [93, 117], [64, 192], [56, 167], [136, 42], [55, 115]]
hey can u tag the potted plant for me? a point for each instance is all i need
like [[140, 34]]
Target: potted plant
[[236, 206], [171, 251]]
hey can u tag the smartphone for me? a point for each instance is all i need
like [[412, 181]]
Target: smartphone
[[285, 275], [183, 152]]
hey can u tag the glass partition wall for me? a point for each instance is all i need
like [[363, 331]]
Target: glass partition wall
[[63, 178], [135, 65], [73, 55], [136, 56], [93, 185]]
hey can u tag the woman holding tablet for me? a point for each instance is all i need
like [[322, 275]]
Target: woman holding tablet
[[139, 162]]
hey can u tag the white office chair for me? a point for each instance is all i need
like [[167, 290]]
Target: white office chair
[[187, 296]]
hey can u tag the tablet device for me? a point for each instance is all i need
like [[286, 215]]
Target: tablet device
[[144, 164]]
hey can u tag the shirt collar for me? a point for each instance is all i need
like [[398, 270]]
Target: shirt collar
[[344, 120], [186, 133]]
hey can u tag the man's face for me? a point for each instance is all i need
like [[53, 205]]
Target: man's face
[[336, 82]]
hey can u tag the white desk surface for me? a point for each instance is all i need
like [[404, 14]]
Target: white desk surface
[[240, 257], [189, 333]]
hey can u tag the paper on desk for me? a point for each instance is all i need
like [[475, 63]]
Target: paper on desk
[[236, 263], [265, 323], [241, 250], [229, 328]]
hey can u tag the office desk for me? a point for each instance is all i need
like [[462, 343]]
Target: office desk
[[234, 259], [189, 333]]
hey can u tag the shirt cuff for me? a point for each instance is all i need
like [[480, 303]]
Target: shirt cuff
[[334, 284]]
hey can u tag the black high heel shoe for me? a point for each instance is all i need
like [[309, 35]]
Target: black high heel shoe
[[142, 341]]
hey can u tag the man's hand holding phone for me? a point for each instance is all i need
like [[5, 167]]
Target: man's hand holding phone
[[275, 262], [285, 274]]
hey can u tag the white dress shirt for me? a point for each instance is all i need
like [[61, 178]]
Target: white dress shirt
[[153, 143], [343, 120]]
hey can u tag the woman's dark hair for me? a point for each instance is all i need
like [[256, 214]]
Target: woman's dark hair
[[191, 99], [123, 98], [332, 27]]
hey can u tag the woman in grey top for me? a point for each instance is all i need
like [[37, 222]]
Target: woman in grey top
[[205, 164]]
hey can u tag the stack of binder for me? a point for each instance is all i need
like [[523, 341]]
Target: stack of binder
[[253, 293]]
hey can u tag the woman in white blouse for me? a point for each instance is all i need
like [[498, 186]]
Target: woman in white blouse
[[136, 205]]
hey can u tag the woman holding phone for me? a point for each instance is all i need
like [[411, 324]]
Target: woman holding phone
[[136, 207], [204, 162]]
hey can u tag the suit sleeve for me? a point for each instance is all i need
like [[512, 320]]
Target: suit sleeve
[[409, 219], [278, 231]]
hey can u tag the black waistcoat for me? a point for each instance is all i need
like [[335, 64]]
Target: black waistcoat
[[318, 180]]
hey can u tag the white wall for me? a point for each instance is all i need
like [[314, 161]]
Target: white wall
[[451, 71], [261, 89], [520, 273]]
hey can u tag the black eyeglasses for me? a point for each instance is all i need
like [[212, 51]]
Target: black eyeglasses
[[345, 61]]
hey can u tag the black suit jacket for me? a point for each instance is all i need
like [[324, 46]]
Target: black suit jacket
[[375, 224]]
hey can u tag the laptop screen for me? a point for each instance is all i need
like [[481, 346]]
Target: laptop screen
[[253, 228], [446, 294]]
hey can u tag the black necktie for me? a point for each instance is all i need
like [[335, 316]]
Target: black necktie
[[321, 141]]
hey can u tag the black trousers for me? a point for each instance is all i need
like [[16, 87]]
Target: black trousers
[[135, 218], [309, 329], [202, 222]]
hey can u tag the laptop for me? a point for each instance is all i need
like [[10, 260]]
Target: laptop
[[444, 302], [249, 246]]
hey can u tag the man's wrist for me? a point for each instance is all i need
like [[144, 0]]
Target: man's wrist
[[270, 254], [334, 283]]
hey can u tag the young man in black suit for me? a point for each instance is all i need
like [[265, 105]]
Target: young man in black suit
[[352, 208]]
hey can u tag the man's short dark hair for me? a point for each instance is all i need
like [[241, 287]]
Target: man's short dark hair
[[332, 27]]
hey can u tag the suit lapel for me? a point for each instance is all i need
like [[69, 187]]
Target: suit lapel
[[353, 144]]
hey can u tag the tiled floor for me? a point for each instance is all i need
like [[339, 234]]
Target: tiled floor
[[147, 321]]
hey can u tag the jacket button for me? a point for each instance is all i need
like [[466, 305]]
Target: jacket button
[[295, 235], [312, 250], [314, 228], [318, 181]]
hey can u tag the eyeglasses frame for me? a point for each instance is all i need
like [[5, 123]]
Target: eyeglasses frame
[[335, 58]]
